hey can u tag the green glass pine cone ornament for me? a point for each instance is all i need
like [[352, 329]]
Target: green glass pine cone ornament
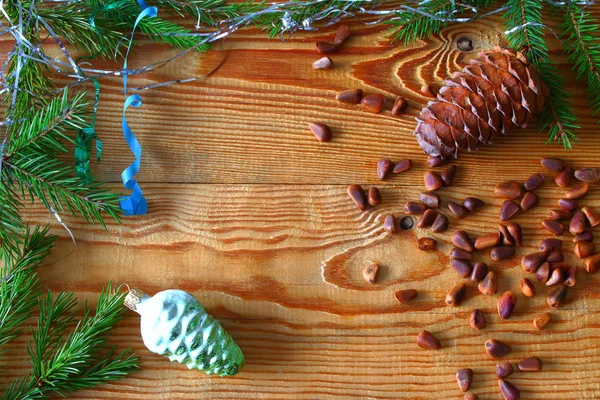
[[175, 325]]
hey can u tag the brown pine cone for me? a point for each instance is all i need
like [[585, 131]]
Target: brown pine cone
[[496, 92]]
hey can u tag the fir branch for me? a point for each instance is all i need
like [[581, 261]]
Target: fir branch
[[19, 287], [113, 367], [18, 297], [162, 31], [157, 29], [72, 23], [523, 22], [579, 31], [33, 82], [33, 76], [60, 364], [56, 315], [45, 129], [429, 18], [558, 117], [55, 186], [210, 12], [36, 245], [411, 25], [31, 165], [11, 225]]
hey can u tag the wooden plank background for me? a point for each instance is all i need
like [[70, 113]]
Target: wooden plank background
[[249, 212]]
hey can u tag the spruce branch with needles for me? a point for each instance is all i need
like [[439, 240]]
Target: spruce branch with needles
[[67, 355], [523, 22], [32, 169], [19, 286], [580, 30]]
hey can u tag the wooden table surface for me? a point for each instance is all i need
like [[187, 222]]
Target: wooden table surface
[[249, 213]]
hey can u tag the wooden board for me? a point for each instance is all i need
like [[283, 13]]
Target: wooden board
[[250, 214]]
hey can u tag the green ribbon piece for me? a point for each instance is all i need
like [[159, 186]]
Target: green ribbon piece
[[83, 143], [85, 136], [83, 149]]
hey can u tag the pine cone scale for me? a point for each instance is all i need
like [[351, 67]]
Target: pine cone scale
[[480, 107], [517, 66], [486, 133], [491, 77], [468, 120], [456, 93], [485, 90], [494, 93], [512, 85], [486, 98], [430, 136], [460, 97], [517, 69]]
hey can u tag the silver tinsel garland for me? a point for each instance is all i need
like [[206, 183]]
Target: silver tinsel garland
[[286, 13]]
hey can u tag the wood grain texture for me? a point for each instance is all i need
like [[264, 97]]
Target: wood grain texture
[[249, 213], [281, 266]]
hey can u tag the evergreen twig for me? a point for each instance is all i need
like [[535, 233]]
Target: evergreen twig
[[210, 12], [11, 225], [45, 129], [19, 287], [580, 32], [157, 29], [72, 23], [55, 186], [429, 18], [81, 359], [523, 22], [30, 166], [410, 25]]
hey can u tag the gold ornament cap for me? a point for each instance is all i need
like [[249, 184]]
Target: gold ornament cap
[[133, 298]]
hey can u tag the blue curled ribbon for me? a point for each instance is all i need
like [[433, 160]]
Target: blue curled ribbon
[[135, 203]]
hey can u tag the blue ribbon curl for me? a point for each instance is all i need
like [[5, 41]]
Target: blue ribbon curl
[[135, 203]]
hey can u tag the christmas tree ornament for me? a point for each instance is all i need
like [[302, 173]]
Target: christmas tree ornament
[[493, 94], [175, 325]]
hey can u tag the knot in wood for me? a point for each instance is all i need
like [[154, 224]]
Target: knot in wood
[[464, 43]]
